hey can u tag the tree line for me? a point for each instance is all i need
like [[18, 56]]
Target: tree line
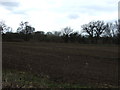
[[95, 32]]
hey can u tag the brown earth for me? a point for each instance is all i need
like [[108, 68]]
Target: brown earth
[[65, 63]]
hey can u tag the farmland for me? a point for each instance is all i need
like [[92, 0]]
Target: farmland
[[75, 64]]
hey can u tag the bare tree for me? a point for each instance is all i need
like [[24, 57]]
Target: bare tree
[[110, 30], [57, 33], [3, 27], [89, 29], [49, 33], [100, 27], [94, 28], [117, 26], [67, 31]]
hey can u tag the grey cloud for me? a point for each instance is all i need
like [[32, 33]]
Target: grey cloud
[[73, 16], [10, 5], [98, 8], [87, 8], [22, 12]]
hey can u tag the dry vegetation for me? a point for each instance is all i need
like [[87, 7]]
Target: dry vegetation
[[86, 65]]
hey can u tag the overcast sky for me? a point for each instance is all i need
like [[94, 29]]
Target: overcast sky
[[53, 15]]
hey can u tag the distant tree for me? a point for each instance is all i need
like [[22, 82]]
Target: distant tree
[[9, 29], [21, 27], [40, 32], [57, 33], [99, 28], [74, 37], [117, 25], [109, 31], [89, 29], [66, 32], [49, 33], [57, 36], [26, 29], [39, 36], [3, 27], [94, 29], [49, 36]]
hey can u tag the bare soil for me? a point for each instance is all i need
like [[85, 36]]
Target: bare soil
[[91, 65]]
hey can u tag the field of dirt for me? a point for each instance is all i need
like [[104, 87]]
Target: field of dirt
[[65, 63]]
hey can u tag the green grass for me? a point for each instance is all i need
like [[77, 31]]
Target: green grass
[[20, 79]]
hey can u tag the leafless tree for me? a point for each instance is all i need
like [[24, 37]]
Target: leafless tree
[[57, 33], [100, 27], [117, 26], [94, 28], [67, 30], [110, 30], [3, 27], [89, 28]]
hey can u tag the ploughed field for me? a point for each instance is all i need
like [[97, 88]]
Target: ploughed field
[[90, 65]]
